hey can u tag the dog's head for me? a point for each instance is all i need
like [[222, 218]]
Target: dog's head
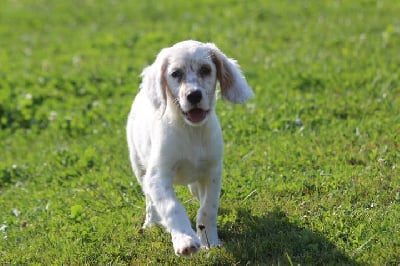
[[186, 75]]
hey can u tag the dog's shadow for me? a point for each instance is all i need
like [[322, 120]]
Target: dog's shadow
[[274, 240]]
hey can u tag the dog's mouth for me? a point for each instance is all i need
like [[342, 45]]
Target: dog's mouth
[[195, 115]]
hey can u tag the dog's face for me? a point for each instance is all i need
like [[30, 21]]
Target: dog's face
[[191, 76], [186, 75]]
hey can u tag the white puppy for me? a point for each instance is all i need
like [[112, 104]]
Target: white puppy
[[174, 137]]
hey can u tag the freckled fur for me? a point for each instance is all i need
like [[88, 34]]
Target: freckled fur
[[167, 148]]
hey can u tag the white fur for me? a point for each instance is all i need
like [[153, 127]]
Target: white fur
[[167, 147]]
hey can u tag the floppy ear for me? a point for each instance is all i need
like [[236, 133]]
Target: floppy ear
[[234, 87], [153, 81]]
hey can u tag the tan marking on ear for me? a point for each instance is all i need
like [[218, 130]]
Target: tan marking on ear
[[163, 81], [233, 84], [224, 77], [165, 90]]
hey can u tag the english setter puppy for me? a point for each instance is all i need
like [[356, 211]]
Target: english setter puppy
[[174, 137]]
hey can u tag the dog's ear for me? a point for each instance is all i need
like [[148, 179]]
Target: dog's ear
[[233, 84], [153, 81]]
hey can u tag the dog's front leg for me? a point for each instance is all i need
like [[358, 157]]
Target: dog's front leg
[[173, 215], [207, 191]]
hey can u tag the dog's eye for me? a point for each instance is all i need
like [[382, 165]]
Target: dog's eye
[[204, 70], [177, 74]]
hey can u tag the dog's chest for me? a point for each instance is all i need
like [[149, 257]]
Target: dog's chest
[[196, 163], [188, 171]]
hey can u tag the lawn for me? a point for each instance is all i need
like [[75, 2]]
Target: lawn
[[311, 165]]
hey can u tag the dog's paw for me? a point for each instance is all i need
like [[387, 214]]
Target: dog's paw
[[207, 243], [186, 245], [208, 236], [211, 244]]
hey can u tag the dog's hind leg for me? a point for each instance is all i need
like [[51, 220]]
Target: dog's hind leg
[[152, 216]]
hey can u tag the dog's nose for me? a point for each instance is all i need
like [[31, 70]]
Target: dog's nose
[[194, 97]]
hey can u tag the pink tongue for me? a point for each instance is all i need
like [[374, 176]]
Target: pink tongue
[[196, 115]]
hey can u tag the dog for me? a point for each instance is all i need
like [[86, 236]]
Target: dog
[[174, 137]]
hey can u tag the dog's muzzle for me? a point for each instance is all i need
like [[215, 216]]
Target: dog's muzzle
[[195, 115]]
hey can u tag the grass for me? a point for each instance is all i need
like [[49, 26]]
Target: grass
[[311, 166]]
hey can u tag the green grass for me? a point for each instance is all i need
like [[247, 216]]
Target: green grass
[[311, 166]]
